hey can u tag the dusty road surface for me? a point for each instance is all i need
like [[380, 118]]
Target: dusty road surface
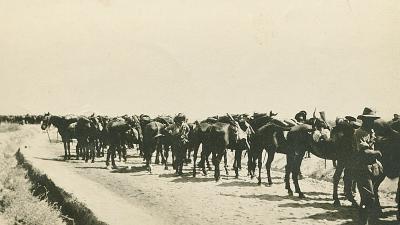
[[130, 195]]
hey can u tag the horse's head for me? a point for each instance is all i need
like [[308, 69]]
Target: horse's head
[[46, 121]]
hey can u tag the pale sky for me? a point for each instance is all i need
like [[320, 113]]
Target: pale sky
[[199, 57]]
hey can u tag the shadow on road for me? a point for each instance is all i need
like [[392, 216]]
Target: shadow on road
[[61, 159], [92, 167], [188, 178], [131, 169], [266, 197]]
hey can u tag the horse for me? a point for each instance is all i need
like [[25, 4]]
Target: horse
[[64, 127], [119, 130], [221, 136], [152, 133]]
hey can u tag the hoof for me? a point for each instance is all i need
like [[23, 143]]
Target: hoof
[[92, 161], [114, 167], [236, 176], [336, 203], [301, 195], [290, 193], [194, 174], [166, 168]]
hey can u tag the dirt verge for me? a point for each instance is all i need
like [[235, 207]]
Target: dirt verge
[[75, 212]]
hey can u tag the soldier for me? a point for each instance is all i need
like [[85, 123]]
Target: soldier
[[366, 166], [396, 117], [301, 117], [180, 134]]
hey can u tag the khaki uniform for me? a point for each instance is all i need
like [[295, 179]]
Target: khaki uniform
[[366, 168], [180, 135]]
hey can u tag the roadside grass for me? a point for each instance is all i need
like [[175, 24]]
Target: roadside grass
[[17, 204]]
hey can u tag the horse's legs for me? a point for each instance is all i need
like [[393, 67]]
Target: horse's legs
[[203, 159], [87, 149], [166, 149], [77, 149], [190, 150], [259, 159], [118, 149], [108, 155], [166, 154], [103, 146], [271, 155], [147, 156], [174, 157], [195, 152], [114, 147], [239, 163], [216, 161], [97, 146], [288, 171], [295, 173], [65, 150], [336, 178], [93, 151], [236, 163], [349, 184], [69, 149], [251, 162], [158, 151], [207, 161], [226, 162], [287, 180], [124, 153]]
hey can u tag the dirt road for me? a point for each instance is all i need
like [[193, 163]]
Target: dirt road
[[130, 195]]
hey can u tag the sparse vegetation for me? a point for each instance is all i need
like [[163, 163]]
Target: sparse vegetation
[[17, 204], [9, 127]]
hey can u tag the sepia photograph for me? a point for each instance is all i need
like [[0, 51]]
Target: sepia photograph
[[183, 112]]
